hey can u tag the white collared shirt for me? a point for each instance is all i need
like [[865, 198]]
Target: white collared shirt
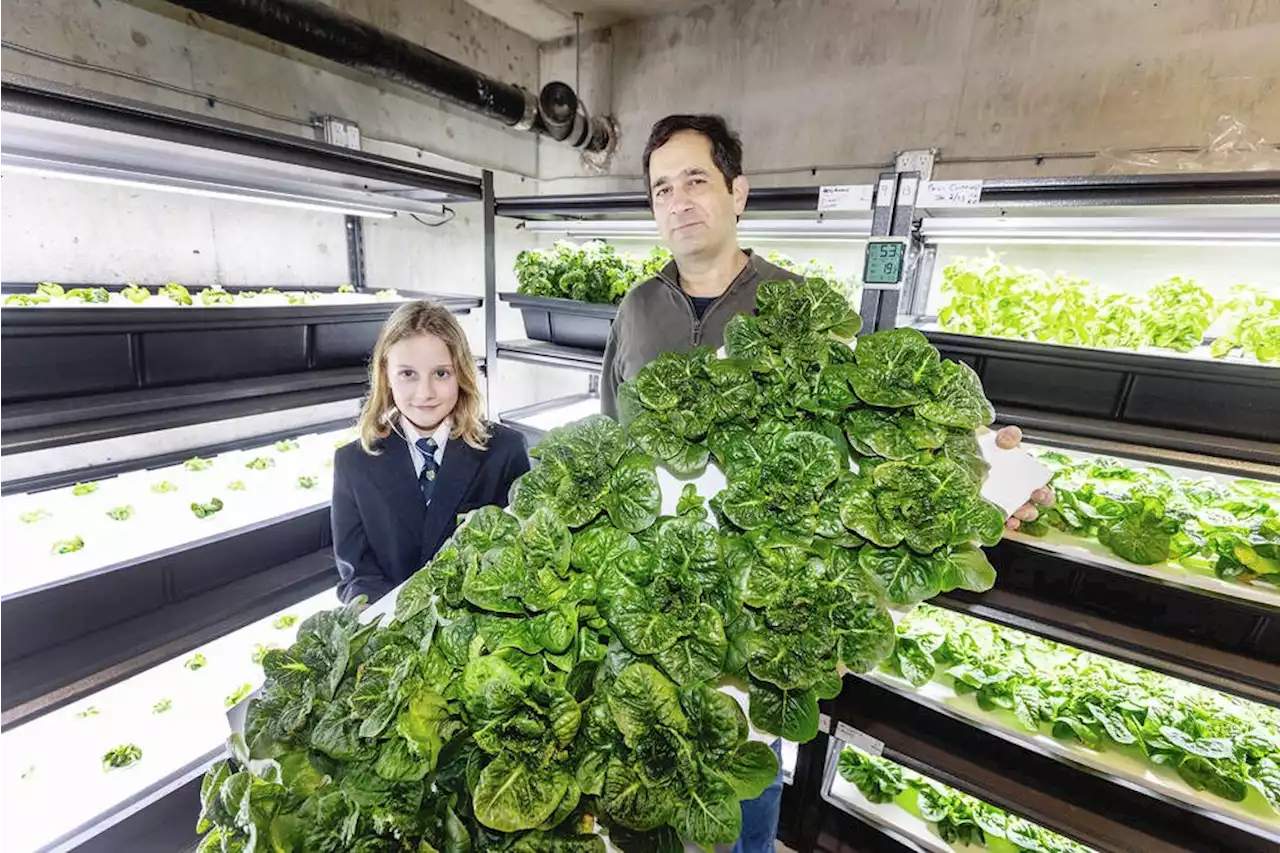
[[411, 435]]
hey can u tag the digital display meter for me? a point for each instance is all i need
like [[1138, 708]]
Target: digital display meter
[[884, 260]]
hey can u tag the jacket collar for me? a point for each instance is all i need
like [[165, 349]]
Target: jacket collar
[[670, 274]]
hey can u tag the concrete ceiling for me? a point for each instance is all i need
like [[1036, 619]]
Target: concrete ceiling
[[546, 20]]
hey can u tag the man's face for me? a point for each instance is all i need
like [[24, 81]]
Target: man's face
[[696, 212]]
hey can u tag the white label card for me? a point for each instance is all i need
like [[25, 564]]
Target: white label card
[[884, 193], [1014, 474], [860, 739], [950, 194], [844, 197]]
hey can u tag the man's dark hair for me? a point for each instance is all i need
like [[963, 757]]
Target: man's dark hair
[[726, 147]]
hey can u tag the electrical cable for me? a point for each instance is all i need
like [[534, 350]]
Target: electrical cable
[[449, 215]]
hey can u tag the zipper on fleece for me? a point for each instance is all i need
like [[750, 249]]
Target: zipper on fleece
[[696, 327]]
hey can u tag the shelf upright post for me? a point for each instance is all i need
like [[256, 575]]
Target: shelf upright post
[[346, 134], [490, 284], [888, 248]]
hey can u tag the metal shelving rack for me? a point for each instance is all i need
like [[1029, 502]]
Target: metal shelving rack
[[769, 211], [86, 389], [1133, 405]]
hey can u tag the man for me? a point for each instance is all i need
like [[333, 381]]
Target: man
[[697, 191]]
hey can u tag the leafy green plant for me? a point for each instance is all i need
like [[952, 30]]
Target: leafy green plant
[[593, 272], [1146, 517], [1179, 313], [195, 463], [236, 696], [987, 297], [288, 620], [89, 295], [162, 706], [135, 294], [207, 510], [216, 295], [163, 487], [286, 445], [1254, 325], [120, 513], [307, 482], [346, 288], [68, 546], [86, 713], [958, 817], [82, 489], [1214, 742], [196, 661], [36, 515], [176, 293], [563, 665], [386, 295], [236, 486], [125, 755], [879, 780], [260, 651]]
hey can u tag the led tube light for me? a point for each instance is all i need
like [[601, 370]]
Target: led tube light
[[185, 186], [855, 230], [1089, 230]]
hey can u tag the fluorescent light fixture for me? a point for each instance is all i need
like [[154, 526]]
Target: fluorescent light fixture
[[1102, 230], [184, 186], [846, 230]]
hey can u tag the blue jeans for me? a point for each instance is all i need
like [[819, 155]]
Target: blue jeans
[[760, 816]]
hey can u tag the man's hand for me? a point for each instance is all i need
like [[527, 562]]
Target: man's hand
[[1008, 438]]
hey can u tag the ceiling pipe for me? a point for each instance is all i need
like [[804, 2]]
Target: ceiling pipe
[[310, 26]]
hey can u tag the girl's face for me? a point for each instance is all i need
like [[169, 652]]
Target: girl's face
[[423, 382]]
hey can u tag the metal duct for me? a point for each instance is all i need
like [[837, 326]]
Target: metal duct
[[310, 26]]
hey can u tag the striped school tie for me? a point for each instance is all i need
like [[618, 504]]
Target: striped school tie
[[427, 479]]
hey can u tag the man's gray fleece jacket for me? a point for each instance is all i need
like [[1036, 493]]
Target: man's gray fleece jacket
[[656, 316]]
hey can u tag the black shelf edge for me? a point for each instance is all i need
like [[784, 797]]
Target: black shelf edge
[[1174, 188], [762, 200], [62, 103], [1234, 604], [58, 479], [1107, 813], [560, 306], [38, 425], [1079, 431], [43, 320], [1157, 392], [1174, 365], [1214, 464], [146, 641], [1246, 677], [552, 355]]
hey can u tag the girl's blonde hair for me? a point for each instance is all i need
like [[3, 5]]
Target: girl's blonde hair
[[379, 410]]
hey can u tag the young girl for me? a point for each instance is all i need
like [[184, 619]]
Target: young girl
[[425, 454]]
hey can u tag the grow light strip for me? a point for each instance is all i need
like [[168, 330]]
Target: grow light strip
[[183, 186], [853, 230]]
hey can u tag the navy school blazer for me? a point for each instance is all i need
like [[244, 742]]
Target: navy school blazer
[[383, 532]]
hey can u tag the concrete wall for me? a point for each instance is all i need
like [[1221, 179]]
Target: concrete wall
[[150, 51], [993, 83]]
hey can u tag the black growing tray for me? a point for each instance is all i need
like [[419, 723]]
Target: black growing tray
[[566, 322], [59, 635], [1226, 398], [70, 375]]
